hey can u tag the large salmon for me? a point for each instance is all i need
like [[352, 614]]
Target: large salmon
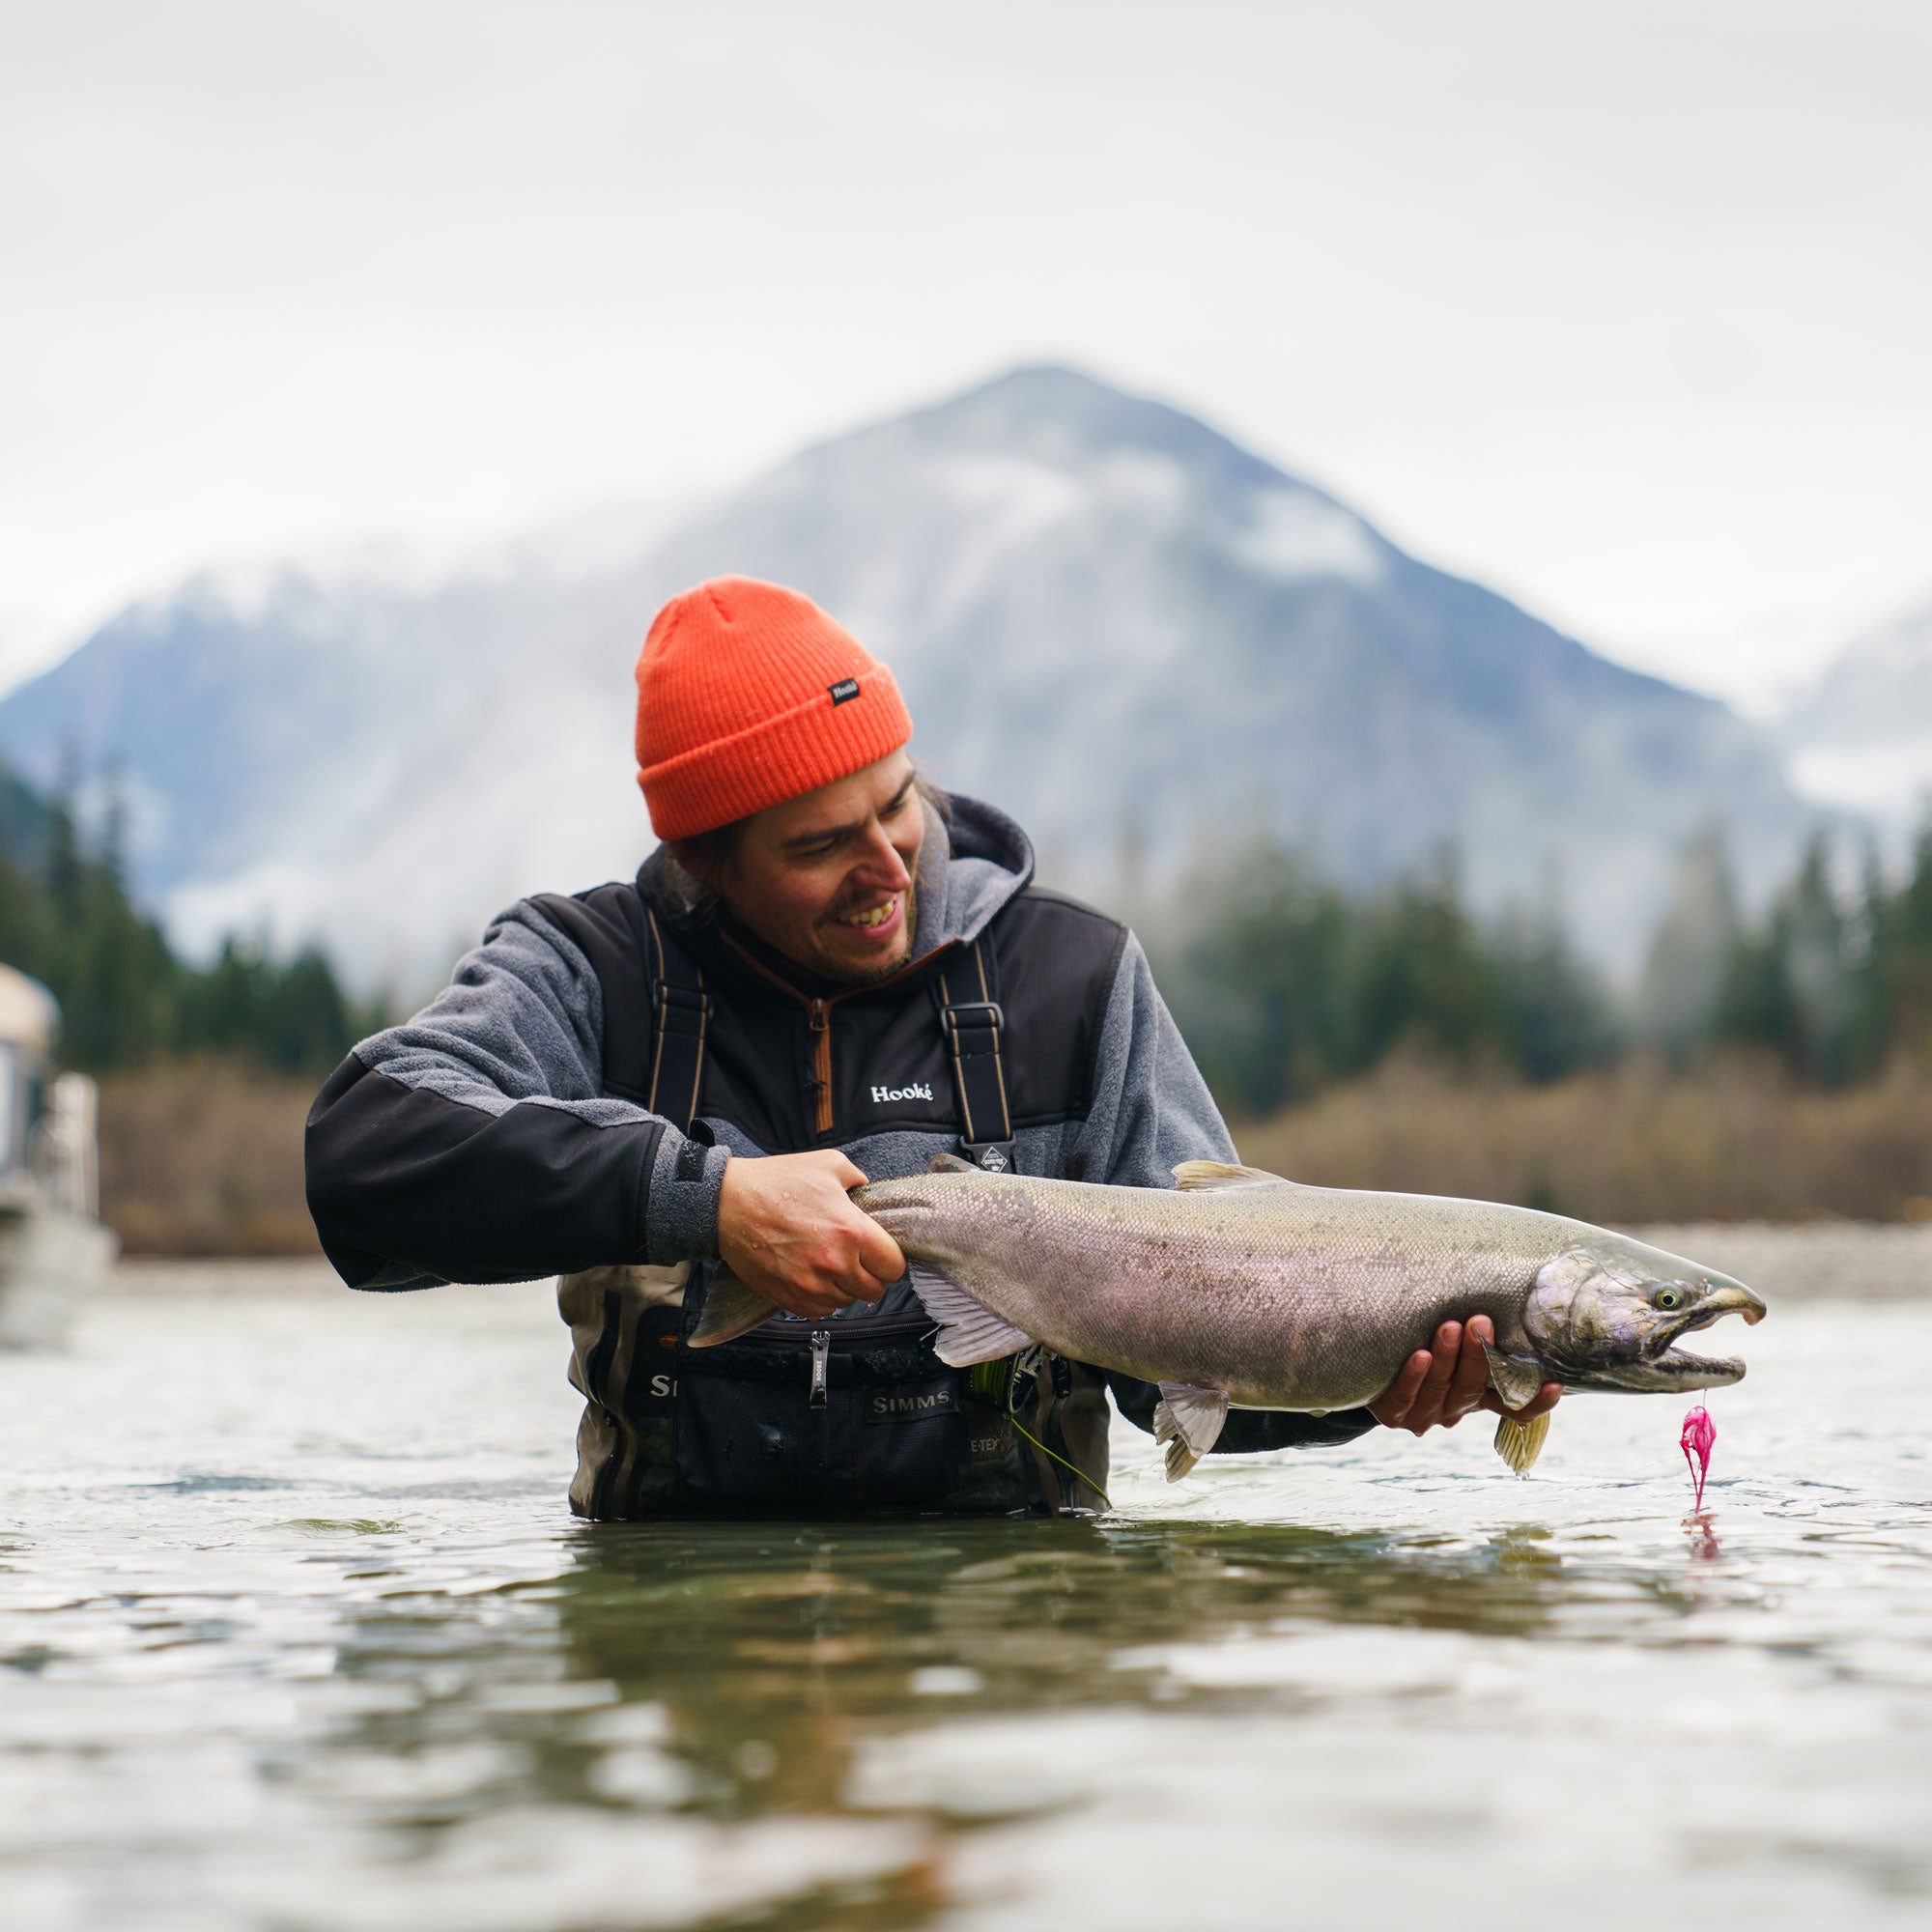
[[1239, 1288]]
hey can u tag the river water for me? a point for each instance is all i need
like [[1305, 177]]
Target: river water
[[296, 1633]]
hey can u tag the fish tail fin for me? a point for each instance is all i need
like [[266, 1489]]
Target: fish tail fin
[[732, 1308], [1520, 1443]]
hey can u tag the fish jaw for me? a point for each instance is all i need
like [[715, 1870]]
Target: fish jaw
[[1661, 1366]]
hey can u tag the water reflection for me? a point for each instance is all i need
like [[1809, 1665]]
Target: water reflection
[[1702, 1531], [761, 1656], [372, 1678], [1013, 1697]]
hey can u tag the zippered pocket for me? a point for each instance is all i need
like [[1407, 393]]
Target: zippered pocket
[[807, 1415]]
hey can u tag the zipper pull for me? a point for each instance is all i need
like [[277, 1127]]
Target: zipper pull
[[821, 1359]]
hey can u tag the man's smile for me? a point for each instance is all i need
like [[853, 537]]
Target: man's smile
[[872, 917]]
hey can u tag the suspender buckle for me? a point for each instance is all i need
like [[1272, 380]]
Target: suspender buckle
[[679, 1010], [993, 1157], [973, 1027]]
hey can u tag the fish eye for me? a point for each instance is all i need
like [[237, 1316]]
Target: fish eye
[[1665, 1298]]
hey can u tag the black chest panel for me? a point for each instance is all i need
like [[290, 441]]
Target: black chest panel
[[1051, 964]]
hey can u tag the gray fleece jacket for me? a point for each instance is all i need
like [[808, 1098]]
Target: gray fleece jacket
[[502, 1133]]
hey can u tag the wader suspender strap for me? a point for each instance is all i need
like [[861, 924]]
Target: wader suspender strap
[[679, 1015], [973, 1026]]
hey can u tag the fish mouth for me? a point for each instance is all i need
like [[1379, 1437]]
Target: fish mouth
[[1667, 1366], [1664, 1366]]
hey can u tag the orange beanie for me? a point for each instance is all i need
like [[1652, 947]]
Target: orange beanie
[[749, 694]]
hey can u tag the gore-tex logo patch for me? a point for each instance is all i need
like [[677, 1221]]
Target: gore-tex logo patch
[[919, 1092], [847, 687]]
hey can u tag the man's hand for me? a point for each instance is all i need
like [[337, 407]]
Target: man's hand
[[1450, 1380], [787, 1229]]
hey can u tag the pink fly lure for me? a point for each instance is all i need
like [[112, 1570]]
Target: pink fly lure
[[1699, 1437]]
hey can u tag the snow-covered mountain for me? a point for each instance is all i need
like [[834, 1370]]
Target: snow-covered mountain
[[1137, 635], [1861, 736]]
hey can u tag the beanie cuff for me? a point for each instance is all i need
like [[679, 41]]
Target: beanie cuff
[[777, 758]]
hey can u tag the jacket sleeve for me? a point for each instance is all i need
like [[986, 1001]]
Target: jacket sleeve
[[1150, 1111], [474, 1142]]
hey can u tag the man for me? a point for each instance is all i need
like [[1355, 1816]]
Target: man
[[824, 973]]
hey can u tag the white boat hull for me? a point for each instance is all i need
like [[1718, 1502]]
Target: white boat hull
[[52, 1260]]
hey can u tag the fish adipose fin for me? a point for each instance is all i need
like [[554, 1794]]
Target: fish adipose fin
[[1520, 1443], [950, 1163], [1194, 1177], [730, 1309], [1189, 1421], [1517, 1378], [969, 1331]]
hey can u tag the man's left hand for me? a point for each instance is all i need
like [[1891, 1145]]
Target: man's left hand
[[1439, 1385]]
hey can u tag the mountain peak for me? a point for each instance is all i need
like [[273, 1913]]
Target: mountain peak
[[1059, 414]]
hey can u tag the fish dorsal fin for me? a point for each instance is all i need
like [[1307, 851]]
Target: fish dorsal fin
[[1517, 1378], [969, 1331], [950, 1163], [1189, 1420], [1197, 1176], [731, 1309], [1520, 1443]]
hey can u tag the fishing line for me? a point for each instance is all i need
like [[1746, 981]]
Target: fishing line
[[1106, 1501], [994, 1385]]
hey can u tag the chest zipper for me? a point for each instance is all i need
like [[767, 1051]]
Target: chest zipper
[[857, 1330], [819, 1017], [821, 1362]]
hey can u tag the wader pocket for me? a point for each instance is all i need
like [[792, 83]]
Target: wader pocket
[[831, 1415]]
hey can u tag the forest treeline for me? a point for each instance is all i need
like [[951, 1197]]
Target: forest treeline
[[1284, 984], [126, 998], [1344, 1028], [1287, 985]]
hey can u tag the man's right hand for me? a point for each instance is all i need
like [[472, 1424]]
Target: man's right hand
[[787, 1229], [1439, 1385]]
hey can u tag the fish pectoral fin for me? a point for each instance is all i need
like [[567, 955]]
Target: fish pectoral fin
[[1189, 1420], [1196, 1177], [1520, 1443], [732, 1308], [1517, 1378], [969, 1331]]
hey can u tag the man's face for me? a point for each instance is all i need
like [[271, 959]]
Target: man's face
[[826, 879]]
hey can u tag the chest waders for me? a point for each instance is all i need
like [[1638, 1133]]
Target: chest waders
[[849, 1412]]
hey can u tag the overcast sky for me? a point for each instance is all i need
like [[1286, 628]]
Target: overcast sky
[[1623, 309]]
